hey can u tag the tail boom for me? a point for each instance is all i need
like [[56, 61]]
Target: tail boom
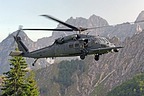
[[21, 46]]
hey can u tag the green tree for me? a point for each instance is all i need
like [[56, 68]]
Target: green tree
[[32, 89], [66, 70], [16, 83], [133, 87]]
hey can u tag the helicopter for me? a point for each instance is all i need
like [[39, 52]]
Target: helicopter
[[72, 45]]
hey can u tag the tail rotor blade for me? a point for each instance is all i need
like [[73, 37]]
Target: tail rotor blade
[[19, 30]]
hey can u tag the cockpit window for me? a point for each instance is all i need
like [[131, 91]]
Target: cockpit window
[[76, 45], [71, 46], [106, 40], [102, 40]]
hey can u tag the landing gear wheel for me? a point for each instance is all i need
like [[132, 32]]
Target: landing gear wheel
[[82, 57], [96, 57], [116, 50]]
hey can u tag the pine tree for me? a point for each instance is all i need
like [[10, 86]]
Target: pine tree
[[16, 82], [32, 89]]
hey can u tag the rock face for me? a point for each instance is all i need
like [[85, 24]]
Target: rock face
[[115, 68], [92, 21], [111, 70], [120, 31], [140, 17], [98, 77], [8, 44]]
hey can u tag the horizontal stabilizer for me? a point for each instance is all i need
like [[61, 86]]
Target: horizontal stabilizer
[[15, 53]]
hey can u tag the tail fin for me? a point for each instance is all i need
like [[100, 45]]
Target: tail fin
[[22, 48], [21, 45]]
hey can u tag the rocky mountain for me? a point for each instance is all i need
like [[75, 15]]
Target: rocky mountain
[[121, 31], [117, 68], [8, 44], [140, 17], [88, 77], [92, 21], [97, 78], [91, 78]]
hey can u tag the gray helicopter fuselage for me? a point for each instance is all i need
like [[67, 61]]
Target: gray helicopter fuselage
[[72, 46]]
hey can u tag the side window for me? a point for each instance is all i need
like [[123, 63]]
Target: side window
[[76, 45], [71, 46]]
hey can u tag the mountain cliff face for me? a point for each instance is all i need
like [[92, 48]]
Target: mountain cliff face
[[95, 78], [111, 70], [120, 31], [5, 47], [8, 44], [117, 68], [92, 21], [140, 17]]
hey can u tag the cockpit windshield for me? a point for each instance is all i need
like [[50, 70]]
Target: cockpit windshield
[[102, 40]]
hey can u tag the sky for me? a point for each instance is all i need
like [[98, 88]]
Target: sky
[[26, 13]]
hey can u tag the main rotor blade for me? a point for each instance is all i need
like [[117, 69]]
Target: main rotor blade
[[97, 27], [59, 21], [114, 25], [49, 29]]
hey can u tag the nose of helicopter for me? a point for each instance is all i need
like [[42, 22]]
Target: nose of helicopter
[[113, 50]]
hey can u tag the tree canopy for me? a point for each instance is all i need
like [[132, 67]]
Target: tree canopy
[[16, 82], [133, 87]]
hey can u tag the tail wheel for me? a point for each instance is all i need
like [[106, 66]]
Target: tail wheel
[[82, 57], [116, 50], [96, 57]]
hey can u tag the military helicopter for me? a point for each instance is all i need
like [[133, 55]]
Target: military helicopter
[[72, 45]]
